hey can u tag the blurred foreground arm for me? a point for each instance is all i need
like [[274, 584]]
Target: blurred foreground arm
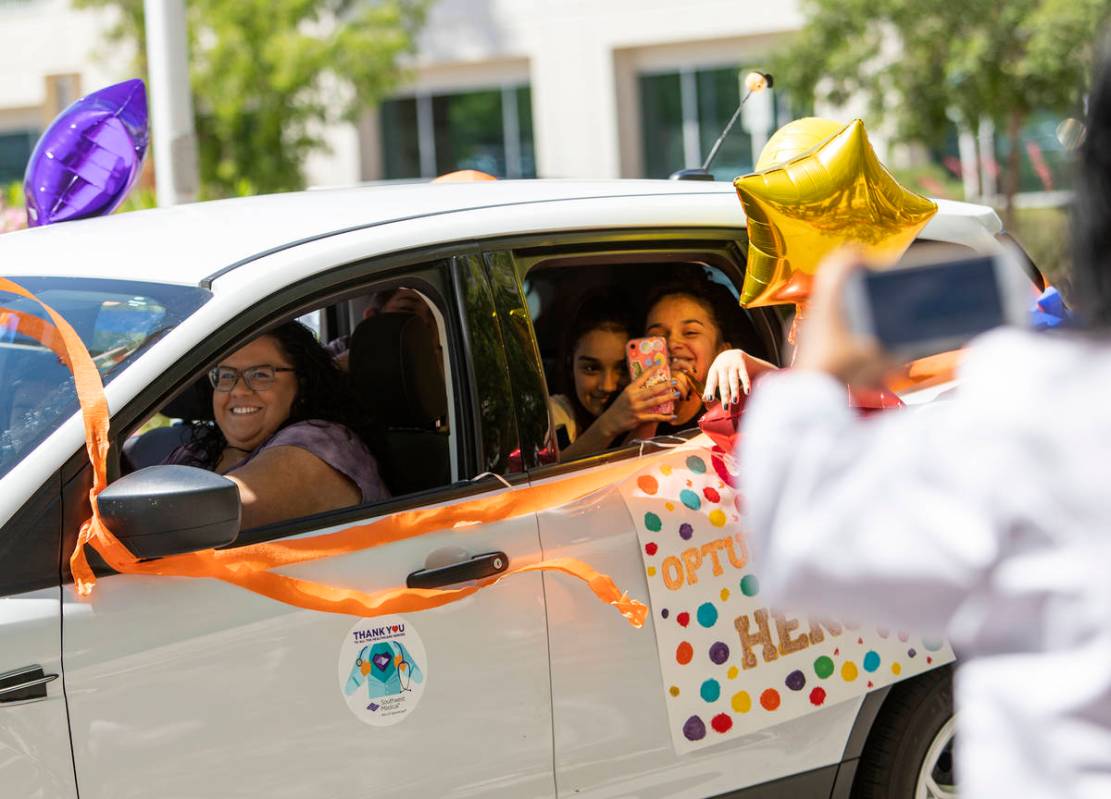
[[890, 519]]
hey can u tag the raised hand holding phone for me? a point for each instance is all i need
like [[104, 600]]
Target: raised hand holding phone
[[648, 359]]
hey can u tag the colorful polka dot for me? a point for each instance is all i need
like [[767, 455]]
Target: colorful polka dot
[[719, 652], [903, 636], [849, 671], [724, 594], [670, 506], [652, 522], [694, 729], [690, 499], [818, 696], [769, 700], [683, 653], [650, 548], [896, 669], [665, 470], [732, 673], [648, 484], [750, 586], [683, 618], [823, 666], [673, 690], [932, 644], [721, 723], [651, 571], [696, 464], [665, 613], [871, 660], [717, 517], [707, 614], [911, 652], [685, 531], [711, 494], [710, 691], [741, 702], [796, 680]]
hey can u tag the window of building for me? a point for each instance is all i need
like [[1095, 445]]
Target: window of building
[[15, 152], [682, 113], [489, 130]]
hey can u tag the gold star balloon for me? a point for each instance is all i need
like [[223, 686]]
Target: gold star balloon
[[820, 187]]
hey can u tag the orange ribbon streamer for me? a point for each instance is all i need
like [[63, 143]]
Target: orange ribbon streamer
[[251, 567]]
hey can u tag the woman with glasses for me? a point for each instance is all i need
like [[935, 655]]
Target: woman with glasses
[[287, 431]]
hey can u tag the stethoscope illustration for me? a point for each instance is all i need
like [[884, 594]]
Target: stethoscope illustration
[[401, 663]]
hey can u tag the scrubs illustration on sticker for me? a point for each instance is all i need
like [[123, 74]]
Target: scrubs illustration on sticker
[[383, 670]]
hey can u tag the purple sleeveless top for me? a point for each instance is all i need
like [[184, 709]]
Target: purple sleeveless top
[[333, 443]]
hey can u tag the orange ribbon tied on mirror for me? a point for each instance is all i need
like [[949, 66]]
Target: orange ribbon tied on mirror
[[819, 186], [252, 567]]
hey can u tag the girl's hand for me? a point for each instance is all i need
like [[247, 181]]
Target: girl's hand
[[635, 405], [728, 376]]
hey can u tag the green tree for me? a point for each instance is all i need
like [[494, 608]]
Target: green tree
[[926, 64], [268, 75]]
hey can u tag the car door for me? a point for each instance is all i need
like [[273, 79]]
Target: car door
[[184, 688], [611, 726], [35, 756]]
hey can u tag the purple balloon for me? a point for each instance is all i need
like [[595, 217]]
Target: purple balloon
[[89, 158]]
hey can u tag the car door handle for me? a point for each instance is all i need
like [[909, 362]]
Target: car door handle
[[476, 568], [28, 682]]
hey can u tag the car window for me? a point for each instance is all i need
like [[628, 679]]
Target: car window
[[563, 293], [393, 404], [115, 319]]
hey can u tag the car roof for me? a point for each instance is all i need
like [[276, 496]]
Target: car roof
[[186, 244]]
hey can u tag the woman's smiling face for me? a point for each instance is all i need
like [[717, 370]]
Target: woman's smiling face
[[248, 417]]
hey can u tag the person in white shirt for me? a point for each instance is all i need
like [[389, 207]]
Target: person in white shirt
[[986, 517]]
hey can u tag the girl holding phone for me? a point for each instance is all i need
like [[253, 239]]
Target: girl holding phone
[[600, 406], [704, 364]]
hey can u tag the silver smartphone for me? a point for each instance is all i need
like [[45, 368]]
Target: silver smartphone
[[937, 300]]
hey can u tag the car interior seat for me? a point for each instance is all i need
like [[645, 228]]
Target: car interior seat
[[194, 404], [396, 369]]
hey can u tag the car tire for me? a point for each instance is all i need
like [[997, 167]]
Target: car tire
[[915, 725]]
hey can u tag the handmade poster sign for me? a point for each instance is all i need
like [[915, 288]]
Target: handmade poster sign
[[732, 665]]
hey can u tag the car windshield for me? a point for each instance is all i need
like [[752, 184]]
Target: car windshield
[[116, 320]]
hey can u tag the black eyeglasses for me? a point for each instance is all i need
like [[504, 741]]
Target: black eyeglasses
[[257, 378]]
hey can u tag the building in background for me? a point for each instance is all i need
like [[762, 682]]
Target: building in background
[[625, 88], [49, 55], [518, 88]]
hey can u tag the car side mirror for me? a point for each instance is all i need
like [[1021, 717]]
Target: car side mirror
[[168, 510]]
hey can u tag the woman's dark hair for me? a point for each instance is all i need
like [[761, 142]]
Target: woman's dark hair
[[323, 394], [601, 311], [1092, 205]]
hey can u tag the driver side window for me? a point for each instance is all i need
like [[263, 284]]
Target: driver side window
[[353, 410]]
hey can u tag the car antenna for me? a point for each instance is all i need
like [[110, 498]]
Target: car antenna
[[755, 82]]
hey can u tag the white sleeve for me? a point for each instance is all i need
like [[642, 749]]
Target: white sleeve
[[891, 518]]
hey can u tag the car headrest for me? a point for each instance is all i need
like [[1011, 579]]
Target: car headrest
[[395, 367], [194, 404]]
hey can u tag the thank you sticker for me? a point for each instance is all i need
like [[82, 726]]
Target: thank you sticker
[[383, 670]]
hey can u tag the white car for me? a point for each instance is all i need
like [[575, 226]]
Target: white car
[[172, 687]]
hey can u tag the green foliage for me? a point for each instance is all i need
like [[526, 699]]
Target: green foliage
[[932, 181], [924, 64], [1044, 234], [267, 75]]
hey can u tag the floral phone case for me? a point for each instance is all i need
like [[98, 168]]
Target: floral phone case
[[643, 354]]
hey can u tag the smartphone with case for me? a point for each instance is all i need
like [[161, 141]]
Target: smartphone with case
[[937, 301], [643, 354]]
